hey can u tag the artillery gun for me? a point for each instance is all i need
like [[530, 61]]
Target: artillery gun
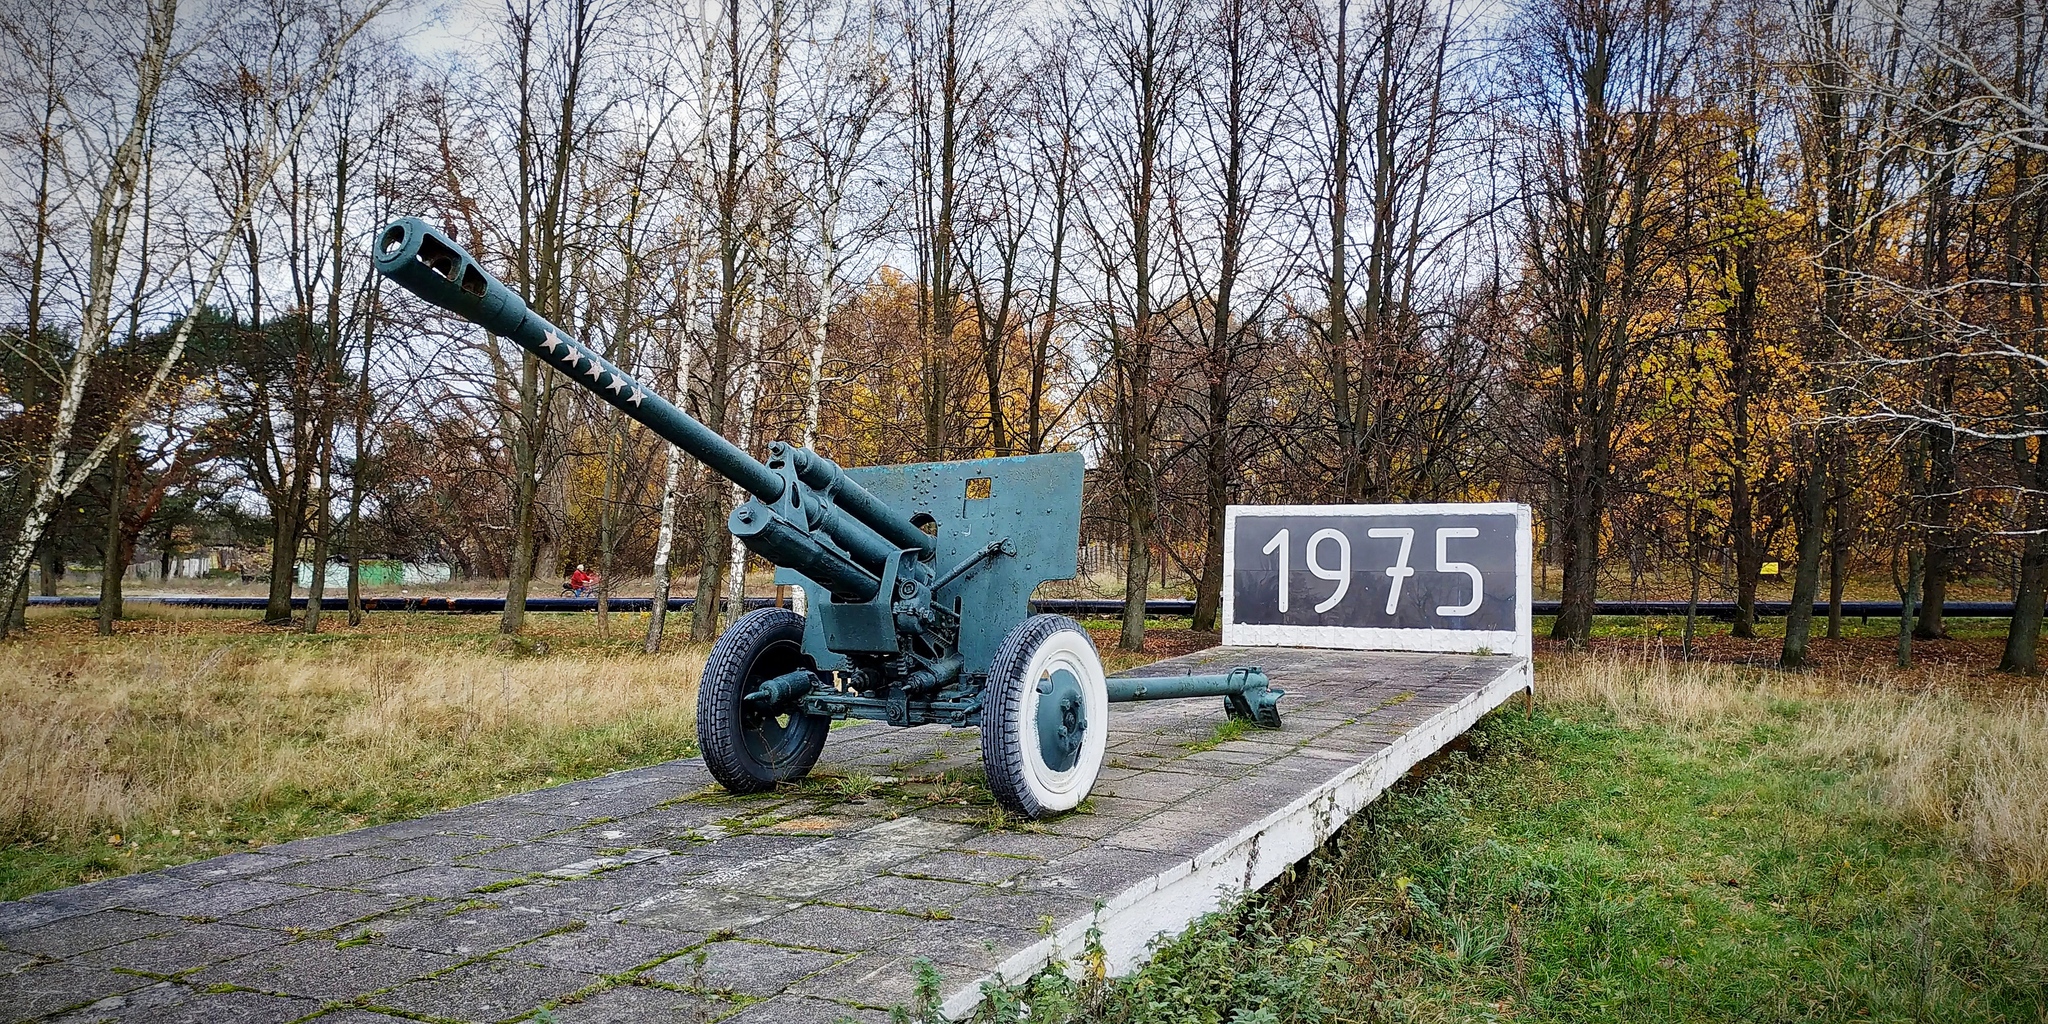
[[918, 581]]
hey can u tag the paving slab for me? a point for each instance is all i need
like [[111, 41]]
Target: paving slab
[[44, 989], [187, 948], [462, 931], [606, 948], [650, 895], [757, 969], [488, 990], [642, 1004], [72, 936], [169, 1003], [318, 969], [320, 910]]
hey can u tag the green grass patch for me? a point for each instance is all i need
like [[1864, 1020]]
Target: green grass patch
[[1151, 622], [1584, 866], [1225, 731]]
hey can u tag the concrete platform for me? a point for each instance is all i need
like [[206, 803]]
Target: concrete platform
[[650, 895]]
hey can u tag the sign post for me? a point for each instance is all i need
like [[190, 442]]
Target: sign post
[[1452, 578]]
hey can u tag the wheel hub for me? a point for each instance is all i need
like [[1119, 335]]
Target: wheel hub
[[767, 725], [1062, 719]]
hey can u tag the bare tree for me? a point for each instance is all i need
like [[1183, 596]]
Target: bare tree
[[1147, 59], [287, 385], [41, 72], [843, 104], [732, 161], [1236, 129], [1598, 201], [1951, 366], [1843, 125], [945, 80], [1058, 97], [558, 53], [684, 273]]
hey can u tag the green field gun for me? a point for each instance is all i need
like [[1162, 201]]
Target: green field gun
[[918, 580]]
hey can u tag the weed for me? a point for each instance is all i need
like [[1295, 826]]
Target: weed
[[924, 1007], [995, 818], [1225, 731], [833, 785], [858, 786]]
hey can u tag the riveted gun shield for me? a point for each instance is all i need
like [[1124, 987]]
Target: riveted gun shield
[[918, 578]]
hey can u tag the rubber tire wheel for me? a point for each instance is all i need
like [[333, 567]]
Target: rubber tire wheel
[[1015, 770], [760, 645]]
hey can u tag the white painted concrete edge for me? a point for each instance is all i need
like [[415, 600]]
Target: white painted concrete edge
[[1164, 905], [1378, 638]]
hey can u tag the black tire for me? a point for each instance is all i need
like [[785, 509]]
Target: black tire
[[749, 751], [1029, 776]]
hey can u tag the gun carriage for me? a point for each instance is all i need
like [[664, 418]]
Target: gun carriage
[[918, 580]]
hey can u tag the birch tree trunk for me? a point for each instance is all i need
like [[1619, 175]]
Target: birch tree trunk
[[664, 541], [815, 363], [750, 389], [732, 229], [672, 474], [106, 233], [820, 324]]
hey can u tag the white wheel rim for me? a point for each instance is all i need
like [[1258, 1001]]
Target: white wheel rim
[[1073, 652]]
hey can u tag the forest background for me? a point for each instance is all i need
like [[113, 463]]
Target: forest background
[[1709, 283]]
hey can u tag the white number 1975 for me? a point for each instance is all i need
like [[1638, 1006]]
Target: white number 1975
[[1397, 573]]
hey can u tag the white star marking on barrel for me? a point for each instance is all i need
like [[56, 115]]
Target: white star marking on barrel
[[635, 397], [550, 342]]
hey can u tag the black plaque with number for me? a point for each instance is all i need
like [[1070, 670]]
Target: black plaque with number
[[1434, 570]]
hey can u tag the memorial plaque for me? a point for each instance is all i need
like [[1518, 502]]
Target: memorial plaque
[[1440, 577]]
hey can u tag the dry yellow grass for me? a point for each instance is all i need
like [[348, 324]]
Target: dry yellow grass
[[1973, 768], [208, 727]]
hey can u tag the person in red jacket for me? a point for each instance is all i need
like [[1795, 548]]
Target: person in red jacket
[[579, 582]]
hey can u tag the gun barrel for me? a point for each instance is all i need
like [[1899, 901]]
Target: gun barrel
[[434, 268]]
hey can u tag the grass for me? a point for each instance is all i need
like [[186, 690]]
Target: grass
[[194, 734], [1225, 731], [1657, 843]]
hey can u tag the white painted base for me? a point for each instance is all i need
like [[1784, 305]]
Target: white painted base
[[1166, 904]]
